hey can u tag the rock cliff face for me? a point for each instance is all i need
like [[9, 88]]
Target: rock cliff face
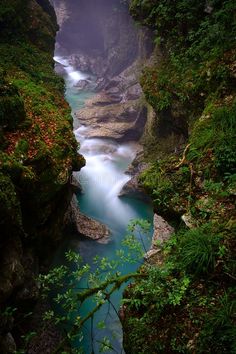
[[37, 153], [100, 37], [100, 34]]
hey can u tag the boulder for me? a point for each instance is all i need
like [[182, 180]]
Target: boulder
[[161, 233], [133, 188], [60, 69], [82, 84], [84, 225], [121, 122]]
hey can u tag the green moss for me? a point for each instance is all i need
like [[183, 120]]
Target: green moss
[[12, 110], [37, 142], [194, 74], [194, 63], [157, 88]]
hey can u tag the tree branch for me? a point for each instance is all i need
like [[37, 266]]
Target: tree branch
[[117, 281]]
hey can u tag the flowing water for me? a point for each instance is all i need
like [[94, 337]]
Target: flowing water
[[102, 180]]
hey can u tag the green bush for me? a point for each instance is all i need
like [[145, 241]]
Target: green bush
[[198, 250], [213, 139], [225, 156]]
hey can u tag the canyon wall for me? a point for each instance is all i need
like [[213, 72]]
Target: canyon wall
[[180, 305], [101, 38], [100, 31], [37, 155]]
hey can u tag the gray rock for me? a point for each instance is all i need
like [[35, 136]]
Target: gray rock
[[75, 184], [79, 62], [84, 225], [132, 189], [121, 122], [162, 233], [189, 221], [82, 84], [60, 69], [132, 93]]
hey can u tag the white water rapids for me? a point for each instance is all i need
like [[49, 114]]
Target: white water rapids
[[73, 75], [103, 178]]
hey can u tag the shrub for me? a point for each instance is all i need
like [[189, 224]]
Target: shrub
[[198, 250], [225, 157]]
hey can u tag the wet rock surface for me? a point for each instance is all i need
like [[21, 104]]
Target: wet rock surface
[[133, 188], [117, 111], [84, 225], [121, 122]]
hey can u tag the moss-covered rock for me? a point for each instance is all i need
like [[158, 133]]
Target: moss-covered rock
[[12, 110], [38, 150]]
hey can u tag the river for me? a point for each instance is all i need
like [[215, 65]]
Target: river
[[102, 179]]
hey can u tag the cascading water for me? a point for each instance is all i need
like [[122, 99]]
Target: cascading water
[[73, 76], [102, 180]]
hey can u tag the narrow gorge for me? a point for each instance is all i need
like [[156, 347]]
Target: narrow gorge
[[117, 176], [108, 126]]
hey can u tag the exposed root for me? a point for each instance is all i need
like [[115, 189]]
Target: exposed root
[[183, 158]]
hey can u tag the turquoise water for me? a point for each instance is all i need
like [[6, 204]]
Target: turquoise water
[[102, 179], [77, 100]]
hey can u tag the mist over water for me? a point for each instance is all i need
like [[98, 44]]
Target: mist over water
[[102, 180]]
